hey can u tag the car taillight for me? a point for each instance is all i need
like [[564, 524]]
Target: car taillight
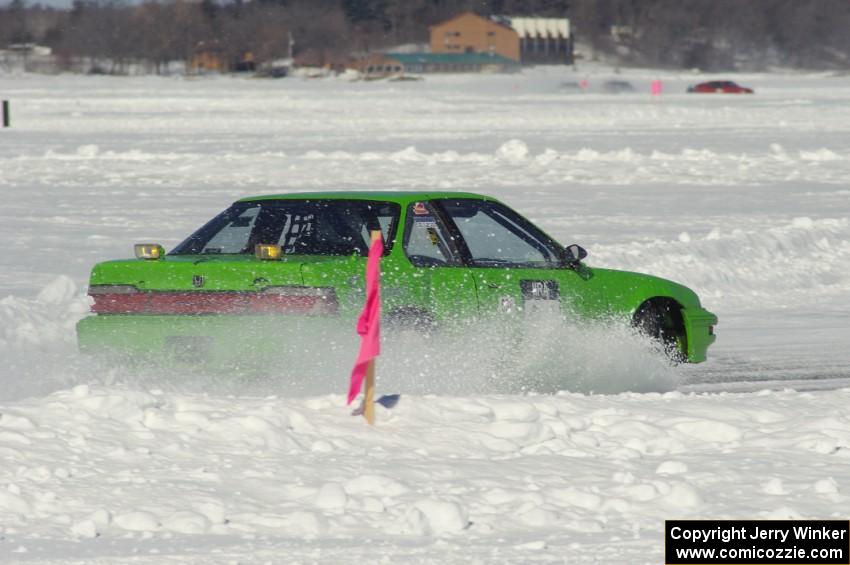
[[124, 299], [127, 299]]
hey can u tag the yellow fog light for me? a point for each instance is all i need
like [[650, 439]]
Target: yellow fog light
[[267, 251], [150, 251]]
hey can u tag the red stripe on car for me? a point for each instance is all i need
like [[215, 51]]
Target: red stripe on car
[[196, 303]]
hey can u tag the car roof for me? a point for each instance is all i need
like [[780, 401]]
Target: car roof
[[401, 197]]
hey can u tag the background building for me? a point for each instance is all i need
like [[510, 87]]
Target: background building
[[527, 40], [471, 33], [542, 40]]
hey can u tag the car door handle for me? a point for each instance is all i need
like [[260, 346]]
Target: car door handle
[[492, 285]]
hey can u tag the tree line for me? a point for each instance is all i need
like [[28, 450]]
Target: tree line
[[706, 34]]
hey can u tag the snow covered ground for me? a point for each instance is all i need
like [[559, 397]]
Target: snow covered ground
[[742, 198]]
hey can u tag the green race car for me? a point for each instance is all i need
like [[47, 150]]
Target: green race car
[[292, 262]]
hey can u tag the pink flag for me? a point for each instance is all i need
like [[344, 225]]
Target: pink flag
[[369, 323], [656, 87]]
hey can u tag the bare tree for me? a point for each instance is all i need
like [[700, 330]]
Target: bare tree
[[709, 34]]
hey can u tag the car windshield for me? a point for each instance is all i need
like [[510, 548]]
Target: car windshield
[[300, 227]]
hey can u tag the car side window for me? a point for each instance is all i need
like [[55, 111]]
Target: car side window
[[496, 236], [426, 242]]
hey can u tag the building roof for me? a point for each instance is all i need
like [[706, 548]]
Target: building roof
[[473, 14], [538, 27], [451, 58]]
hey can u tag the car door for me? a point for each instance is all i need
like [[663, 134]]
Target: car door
[[517, 269], [440, 277]]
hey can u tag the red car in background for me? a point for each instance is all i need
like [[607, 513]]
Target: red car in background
[[723, 86]]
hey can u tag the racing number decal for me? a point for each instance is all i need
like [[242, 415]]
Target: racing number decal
[[540, 290], [540, 296]]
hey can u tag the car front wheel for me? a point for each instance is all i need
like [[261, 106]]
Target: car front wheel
[[661, 321]]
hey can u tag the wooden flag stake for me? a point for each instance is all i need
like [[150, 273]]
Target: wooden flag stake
[[369, 398]]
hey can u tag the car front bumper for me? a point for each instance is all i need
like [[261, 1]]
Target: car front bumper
[[699, 325]]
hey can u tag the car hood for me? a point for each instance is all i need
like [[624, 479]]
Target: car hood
[[629, 288]]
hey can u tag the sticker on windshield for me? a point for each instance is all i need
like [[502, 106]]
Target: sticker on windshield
[[425, 222], [419, 209], [432, 234]]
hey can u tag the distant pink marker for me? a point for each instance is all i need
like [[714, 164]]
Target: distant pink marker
[[656, 87]]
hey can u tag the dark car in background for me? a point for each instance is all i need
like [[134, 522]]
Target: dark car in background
[[617, 86], [720, 86]]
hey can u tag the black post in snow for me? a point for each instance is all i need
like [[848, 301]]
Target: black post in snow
[[6, 114]]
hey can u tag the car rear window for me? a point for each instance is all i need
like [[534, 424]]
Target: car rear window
[[300, 227]]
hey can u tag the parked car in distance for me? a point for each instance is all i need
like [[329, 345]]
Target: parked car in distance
[[720, 86], [268, 265], [617, 86], [570, 86]]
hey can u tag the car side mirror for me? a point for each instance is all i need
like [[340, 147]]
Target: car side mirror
[[574, 253]]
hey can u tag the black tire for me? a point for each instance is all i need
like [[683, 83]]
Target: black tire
[[662, 323]]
